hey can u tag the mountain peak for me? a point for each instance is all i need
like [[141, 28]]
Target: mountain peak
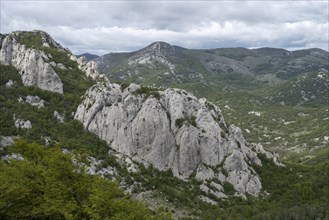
[[160, 44], [89, 56], [37, 39], [159, 47]]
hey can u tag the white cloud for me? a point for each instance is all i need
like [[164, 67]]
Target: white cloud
[[104, 26]]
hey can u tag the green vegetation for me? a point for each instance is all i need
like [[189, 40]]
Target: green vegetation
[[296, 132], [70, 134], [47, 185], [189, 119], [295, 192], [310, 90], [288, 130], [173, 189], [149, 91], [228, 188], [29, 39]]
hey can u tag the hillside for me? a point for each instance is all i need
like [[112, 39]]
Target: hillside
[[63, 125], [89, 56], [161, 64], [287, 80]]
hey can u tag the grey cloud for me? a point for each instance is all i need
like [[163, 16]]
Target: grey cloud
[[104, 26]]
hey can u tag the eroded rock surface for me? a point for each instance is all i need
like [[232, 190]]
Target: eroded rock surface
[[88, 67], [171, 130], [30, 63]]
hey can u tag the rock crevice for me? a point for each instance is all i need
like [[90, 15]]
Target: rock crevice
[[171, 130], [30, 63]]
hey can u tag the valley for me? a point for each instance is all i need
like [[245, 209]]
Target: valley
[[163, 141], [280, 98]]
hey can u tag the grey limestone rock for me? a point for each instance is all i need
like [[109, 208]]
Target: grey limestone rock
[[208, 200], [60, 117], [6, 141], [171, 130], [21, 123], [35, 101], [30, 63], [10, 83], [88, 67], [258, 148], [47, 140]]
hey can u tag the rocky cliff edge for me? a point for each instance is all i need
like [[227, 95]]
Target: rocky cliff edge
[[172, 130]]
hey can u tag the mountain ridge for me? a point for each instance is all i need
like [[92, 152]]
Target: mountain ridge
[[107, 111], [230, 67], [180, 116], [89, 56]]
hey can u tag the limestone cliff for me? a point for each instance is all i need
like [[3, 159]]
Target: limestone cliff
[[31, 64], [88, 67], [171, 130]]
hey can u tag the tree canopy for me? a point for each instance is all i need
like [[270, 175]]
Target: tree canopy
[[46, 184]]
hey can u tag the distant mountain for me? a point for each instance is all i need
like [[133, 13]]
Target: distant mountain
[[159, 63], [162, 64], [89, 56], [167, 148], [167, 130]]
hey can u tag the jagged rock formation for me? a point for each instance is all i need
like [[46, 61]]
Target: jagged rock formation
[[88, 67], [31, 64], [21, 123], [171, 130], [48, 41], [33, 100]]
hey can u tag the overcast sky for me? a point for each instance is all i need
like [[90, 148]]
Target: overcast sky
[[100, 27]]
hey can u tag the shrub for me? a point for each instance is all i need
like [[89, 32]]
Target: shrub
[[228, 188], [189, 119]]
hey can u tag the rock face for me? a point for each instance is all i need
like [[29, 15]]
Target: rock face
[[171, 130], [88, 67], [30, 64], [155, 53]]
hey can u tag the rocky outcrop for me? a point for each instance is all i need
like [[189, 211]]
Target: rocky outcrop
[[48, 41], [60, 117], [10, 83], [88, 67], [157, 52], [33, 100], [258, 148], [30, 63], [21, 123], [6, 141], [171, 130]]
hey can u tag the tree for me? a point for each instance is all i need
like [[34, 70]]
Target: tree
[[45, 184]]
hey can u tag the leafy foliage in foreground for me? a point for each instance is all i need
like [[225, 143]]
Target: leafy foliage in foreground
[[45, 184]]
